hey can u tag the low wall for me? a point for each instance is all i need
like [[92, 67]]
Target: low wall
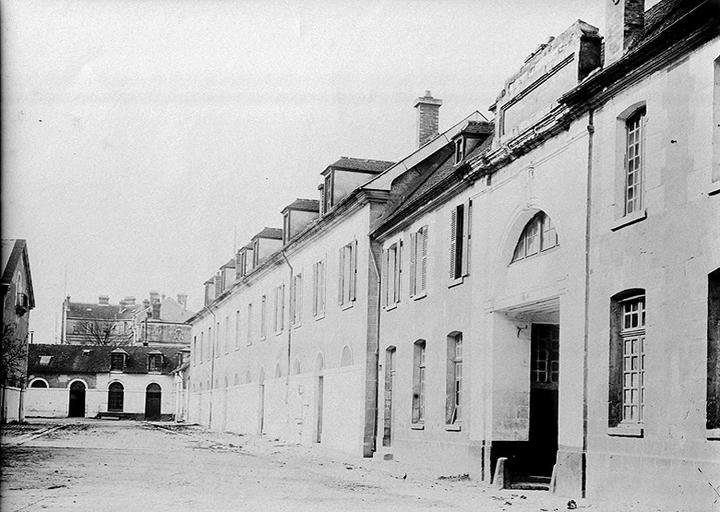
[[12, 398]]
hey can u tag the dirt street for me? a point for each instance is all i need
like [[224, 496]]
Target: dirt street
[[93, 465]]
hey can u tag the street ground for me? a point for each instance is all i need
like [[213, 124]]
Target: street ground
[[90, 465]]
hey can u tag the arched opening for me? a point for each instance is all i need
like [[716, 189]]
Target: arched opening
[[346, 357], [76, 407], [116, 397], [153, 399], [39, 383], [538, 235]]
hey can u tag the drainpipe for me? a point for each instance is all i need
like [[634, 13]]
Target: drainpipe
[[212, 367], [378, 277], [586, 329], [289, 327]]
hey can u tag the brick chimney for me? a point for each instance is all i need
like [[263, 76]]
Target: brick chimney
[[182, 299], [103, 300], [624, 22], [428, 110]]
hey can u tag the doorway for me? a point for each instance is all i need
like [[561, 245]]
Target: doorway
[[76, 407], [388, 398], [153, 398], [544, 378], [318, 436]]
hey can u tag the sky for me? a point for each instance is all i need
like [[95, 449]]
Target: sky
[[141, 139]]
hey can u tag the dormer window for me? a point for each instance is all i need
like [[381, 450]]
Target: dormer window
[[328, 193], [256, 252], [286, 227], [117, 361], [459, 150], [155, 362]]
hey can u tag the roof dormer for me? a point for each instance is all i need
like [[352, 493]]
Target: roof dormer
[[297, 216], [265, 243], [118, 360], [155, 361], [345, 175], [468, 138]]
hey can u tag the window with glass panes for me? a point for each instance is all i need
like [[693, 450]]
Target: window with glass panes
[[418, 399], [538, 235], [632, 334], [319, 288], [633, 162], [454, 379]]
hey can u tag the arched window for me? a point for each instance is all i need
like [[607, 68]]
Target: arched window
[[116, 395], [539, 235], [346, 357], [39, 383]]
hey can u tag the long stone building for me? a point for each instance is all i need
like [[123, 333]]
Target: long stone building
[[532, 299]]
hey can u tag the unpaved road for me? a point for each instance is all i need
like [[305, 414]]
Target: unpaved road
[[93, 465]]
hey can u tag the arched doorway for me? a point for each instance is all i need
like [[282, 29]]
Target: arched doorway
[[153, 396], [116, 397], [76, 407]]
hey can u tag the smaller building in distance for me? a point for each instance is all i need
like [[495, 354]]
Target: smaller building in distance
[[18, 300], [160, 321], [131, 382]]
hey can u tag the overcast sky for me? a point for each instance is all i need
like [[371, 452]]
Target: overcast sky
[[138, 136]]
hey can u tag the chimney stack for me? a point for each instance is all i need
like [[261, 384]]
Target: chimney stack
[[624, 22], [103, 300], [428, 110], [182, 299]]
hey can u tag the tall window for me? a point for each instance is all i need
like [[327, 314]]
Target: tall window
[[237, 329], [391, 270], [539, 235], [117, 362], [453, 388], [249, 324], [296, 299], [263, 317], [286, 227], [713, 351], [279, 311], [627, 358], [210, 344], [194, 350], [202, 349], [155, 362], [256, 252], [319, 288], [347, 276], [226, 341], [328, 193], [460, 234], [418, 397], [116, 394], [459, 150], [634, 161], [418, 261]]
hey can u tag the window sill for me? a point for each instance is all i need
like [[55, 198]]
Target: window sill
[[713, 434], [417, 426], [629, 219], [297, 325], [320, 316], [714, 188], [390, 307], [278, 333], [263, 338], [419, 296], [453, 428], [626, 431], [347, 306], [456, 282]]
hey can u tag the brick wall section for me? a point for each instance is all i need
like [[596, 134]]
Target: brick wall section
[[428, 115]]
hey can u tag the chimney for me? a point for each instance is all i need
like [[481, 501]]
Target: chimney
[[182, 299], [428, 109], [624, 22], [154, 297], [103, 300]]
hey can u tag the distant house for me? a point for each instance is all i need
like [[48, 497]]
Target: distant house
[[132, 382], [161, 321], [18, 300]]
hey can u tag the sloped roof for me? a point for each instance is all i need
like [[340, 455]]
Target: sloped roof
[[306, 205], [100, 311], [360, 164], [13, 251], [273, 233], [662, 14], [95, 359], [229, 264], [478, 128]]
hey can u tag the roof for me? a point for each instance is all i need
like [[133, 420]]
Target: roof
[[478, 128], [229, 264], [662, 14], [13, 251], [274, 233], [359, 164], [306, 205], [100, 311], [95, 359]]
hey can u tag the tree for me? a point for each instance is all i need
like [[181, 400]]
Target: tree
[[104, 332], [14, 357]]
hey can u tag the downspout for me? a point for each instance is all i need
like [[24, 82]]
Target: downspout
[[212, 367], [586, 329], [378, 306], [289, 327]]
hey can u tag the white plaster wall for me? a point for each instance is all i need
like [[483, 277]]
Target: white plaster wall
[[12, 397]]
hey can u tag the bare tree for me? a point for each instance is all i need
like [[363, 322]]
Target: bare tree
[[104, 332], [14, 357]]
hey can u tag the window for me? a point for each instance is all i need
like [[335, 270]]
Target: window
[[116, 394], [210, 345], [217, 340], [249, 324], [263, 317], [319, 272], [226, 340], [155, 362], [453, 387], [634, 161], [296, 299], [279, 311], [117, 362], [256, 252], [286, 227], [237, 329], [391, 271], [539, 235], [716, 124], [418, 262], [460, 233], [713, 351], [328, 193], [202, 349], [459, 150], [39, 383], [347, 275], [627, 359], [418, 397]]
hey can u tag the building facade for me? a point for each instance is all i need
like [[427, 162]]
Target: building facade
[[18, 300]]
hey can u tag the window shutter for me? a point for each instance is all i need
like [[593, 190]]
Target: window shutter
[[467, 226], [453, 234], [423, 261], [323, 281], [341, 274], [384, 278], [298, 298], [413, 266], [398, 272], [315, 289], [353, 273]]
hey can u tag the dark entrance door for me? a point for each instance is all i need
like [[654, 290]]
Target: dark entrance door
[[153, 396], [544, 374], [76, 408]]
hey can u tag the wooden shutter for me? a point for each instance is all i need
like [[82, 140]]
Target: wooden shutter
[[453, 234], [298, 298], [466, 237], [323, 281], [341, 273], [353, 271], [398, 269], [423, 260], [413, 266], [316, 287], [383, 277]]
